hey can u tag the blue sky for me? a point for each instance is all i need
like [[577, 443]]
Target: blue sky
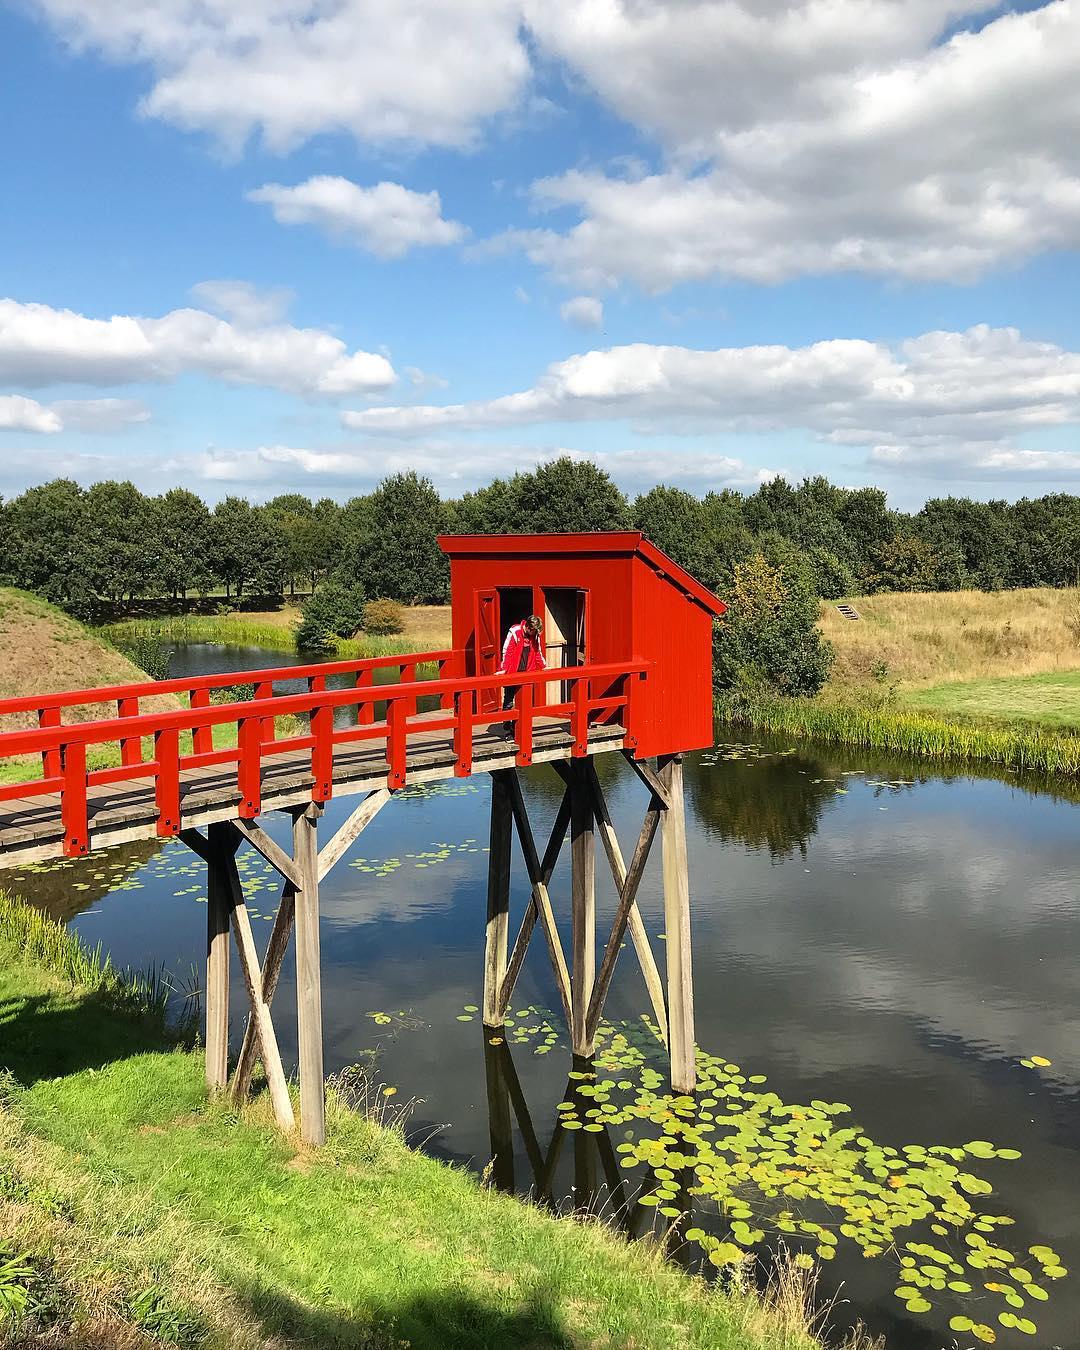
[[258, 248]]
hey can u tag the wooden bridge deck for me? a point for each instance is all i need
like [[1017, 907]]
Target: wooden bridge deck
[[31, 829]]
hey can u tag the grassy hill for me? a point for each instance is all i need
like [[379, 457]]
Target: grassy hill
[[45, 651]]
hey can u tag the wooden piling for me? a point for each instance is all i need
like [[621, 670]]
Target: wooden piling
[[217, 961], [677, 922], [309, 978], [498, 898], [582, 909]]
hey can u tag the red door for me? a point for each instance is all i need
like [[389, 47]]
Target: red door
[[487, 644]]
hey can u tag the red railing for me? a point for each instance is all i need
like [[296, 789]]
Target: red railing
[[63, 748]]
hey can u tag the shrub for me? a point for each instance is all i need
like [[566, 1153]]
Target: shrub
[[768, 641], [148, 653], [336, 610], [383, 617]]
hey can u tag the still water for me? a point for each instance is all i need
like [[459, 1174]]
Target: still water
[[868, 931]]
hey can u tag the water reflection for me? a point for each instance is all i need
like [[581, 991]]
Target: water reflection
[[867, 930]]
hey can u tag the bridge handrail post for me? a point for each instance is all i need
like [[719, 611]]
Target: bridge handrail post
[[264, 690], [73, 806], [464, 703], [396, 741], [130, 746], [249, 776], [322, 752], [202, 738], [526, 704], [365, 712], [167, 781], [579, 716], [51, 766]]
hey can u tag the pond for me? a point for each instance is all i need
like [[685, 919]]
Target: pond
[[869, 932]]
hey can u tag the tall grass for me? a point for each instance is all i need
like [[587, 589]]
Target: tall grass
[[49, 944], [236, 630], [889, 727]]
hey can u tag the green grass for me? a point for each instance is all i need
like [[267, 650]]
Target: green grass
[[1050, 700], [235, 630], [887, 725], [136, 1203]]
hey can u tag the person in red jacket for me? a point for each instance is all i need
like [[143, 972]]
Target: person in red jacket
[[523, 650]]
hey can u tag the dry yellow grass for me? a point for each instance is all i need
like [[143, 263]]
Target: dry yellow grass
[[920, 639], [44, 651]]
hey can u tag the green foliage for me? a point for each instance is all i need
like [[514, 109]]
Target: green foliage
[[147, 652], [389, 545], [336, 610], [383, 618], [249, 548], [565, 495], [768, 639], [184, 544], [833, 578], [679, 524], [906, 562]]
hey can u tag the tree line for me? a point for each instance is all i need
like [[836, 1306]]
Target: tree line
[[110, 544]]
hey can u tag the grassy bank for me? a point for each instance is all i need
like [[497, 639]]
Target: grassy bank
[[965, 676], [426, 628], [135, 1213], [888, 726]]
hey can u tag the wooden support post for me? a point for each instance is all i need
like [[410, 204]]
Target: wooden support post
[[633, 919], [498, 900], [677, 922], [309, 978], [217, 960], [582, 910], [271, 969], [278, 945], [540, 901], [260, 1010]]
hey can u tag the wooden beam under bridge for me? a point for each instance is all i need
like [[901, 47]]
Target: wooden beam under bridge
[[583, 990]]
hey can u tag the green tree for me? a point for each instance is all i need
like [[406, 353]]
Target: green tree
[[768, 641], [569, 495], [335, 610], [121, 547], [905, 563], [390, 546], [183, 530], [248, 549], [677, 523], [46, 543]]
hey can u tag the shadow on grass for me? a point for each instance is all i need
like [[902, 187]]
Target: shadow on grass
[[447, 1319], [49, 1036]]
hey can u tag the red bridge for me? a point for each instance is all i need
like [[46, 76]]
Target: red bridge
[[628, 634]]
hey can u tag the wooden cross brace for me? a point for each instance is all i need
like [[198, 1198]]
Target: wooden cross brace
[[227, 907], [583, 804]]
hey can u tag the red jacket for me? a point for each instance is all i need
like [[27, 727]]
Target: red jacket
[[518, 640]]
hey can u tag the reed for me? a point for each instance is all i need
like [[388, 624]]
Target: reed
[[889, 727], [50, 945]]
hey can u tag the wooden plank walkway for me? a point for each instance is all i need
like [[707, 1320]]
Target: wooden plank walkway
[[31, 829]]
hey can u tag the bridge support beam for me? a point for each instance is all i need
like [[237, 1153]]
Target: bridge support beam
[[680, 977], [217, 974], [582, 908], [309, 978]]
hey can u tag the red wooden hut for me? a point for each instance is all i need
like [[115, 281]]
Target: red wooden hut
[[603, 598]]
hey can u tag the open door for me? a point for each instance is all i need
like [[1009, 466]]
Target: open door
[[487, 644], [565, 633]]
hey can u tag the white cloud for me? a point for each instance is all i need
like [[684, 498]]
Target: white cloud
[[944, 397], [818, 137], [583, 311], [454, 467], [26, 414], [417, 70], [247, 305], [387, 219], [44, 346], [101, 414]]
